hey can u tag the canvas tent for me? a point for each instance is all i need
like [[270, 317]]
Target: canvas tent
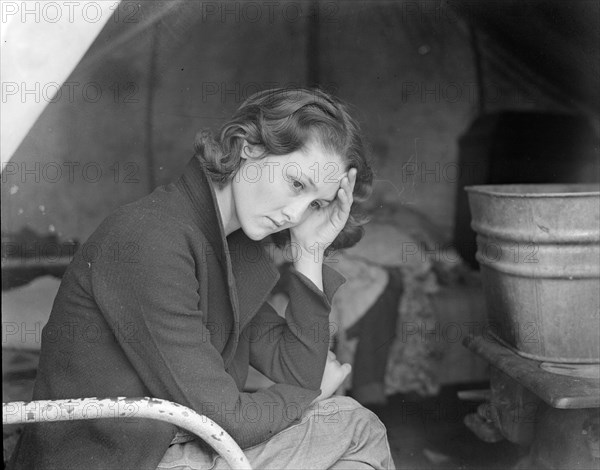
[[418, 72]]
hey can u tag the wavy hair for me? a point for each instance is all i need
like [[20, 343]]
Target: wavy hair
[[282, 121]]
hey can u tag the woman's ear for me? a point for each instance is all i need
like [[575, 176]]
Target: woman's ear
[[245, 153], [250, 150]]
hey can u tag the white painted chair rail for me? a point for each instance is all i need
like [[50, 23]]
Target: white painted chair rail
[[123, 408]]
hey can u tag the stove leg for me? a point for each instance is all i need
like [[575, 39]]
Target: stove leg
[[566, 439], [514, 409]]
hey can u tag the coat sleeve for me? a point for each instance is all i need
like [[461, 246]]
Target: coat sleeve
[[157, 291], [294, 350]]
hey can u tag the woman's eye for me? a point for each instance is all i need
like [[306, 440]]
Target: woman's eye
[[297, 184], [315, 205]]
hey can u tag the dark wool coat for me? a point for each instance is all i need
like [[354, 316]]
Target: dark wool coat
[[159, 303]]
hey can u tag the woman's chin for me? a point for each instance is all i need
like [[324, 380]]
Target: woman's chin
[[256, 234]]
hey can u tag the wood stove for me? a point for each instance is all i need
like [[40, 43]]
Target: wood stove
[[554, 417], [545, 385]]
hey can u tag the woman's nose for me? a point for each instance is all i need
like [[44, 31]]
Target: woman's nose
[[294, 212]]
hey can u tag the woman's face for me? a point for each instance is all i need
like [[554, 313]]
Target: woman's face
[[275, 193]]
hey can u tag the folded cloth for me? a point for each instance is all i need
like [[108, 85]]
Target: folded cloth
[[364, 284], [411, 356]]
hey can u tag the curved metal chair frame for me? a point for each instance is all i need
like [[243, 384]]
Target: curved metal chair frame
[[121, 407]]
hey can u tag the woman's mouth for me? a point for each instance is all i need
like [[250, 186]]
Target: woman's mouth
[[273, 223]]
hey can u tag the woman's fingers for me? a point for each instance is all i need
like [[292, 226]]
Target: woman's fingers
[[352, 174], [346, 189], [350, 182]]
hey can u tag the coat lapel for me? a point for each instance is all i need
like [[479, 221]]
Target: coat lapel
[[195, 185], [255, 274]]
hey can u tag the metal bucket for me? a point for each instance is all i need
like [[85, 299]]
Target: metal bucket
[[539, 251]]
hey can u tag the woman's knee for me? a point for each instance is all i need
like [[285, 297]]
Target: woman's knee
[[366, 435]]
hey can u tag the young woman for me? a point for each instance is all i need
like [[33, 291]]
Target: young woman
[[168, 299]]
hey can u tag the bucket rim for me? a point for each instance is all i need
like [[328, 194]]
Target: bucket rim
[[550, 190]]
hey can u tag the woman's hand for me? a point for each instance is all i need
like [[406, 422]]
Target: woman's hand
[[333, 376], [323, 225]]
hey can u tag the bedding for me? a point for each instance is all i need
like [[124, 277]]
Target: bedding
[[435, 289], [411, 361]]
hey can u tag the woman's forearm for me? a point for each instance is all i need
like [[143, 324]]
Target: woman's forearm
[[309, 262]]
